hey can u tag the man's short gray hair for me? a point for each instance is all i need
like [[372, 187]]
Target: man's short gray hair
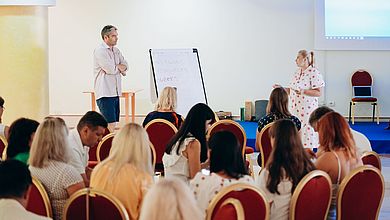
[[107, 29]]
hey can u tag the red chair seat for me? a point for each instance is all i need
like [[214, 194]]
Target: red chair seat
[[372, 99]]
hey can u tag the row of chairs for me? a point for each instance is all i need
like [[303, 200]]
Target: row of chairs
[[360, 196]]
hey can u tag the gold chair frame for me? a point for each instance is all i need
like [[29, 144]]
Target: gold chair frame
[[236, 187], [101, 144], [368, 153], [4, 153], [45, 196], [89, 192], [237, 206], [302, 184], [346, 180], [261, 146]]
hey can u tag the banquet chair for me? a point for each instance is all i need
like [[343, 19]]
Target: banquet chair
[[253, 201], [160, 132], [231, 209], [239, 132], [371, 158], [362, 78], [104, 147], [3, 148], [38, 201], [92, 159], [360, 194], [265, 147], [312, 197], [92, 204]]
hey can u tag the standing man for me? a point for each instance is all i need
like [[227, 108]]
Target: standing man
[[88, 133], [109, 67]]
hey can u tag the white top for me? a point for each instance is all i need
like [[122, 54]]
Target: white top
[[2, 129], [280, 203], [361, 141], [56, 177], [107, 76], [205, 187], [12, 209], [177, 164], [78, 154]]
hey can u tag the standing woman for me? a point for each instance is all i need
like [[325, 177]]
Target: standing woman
[[186, 153], [304, 90]]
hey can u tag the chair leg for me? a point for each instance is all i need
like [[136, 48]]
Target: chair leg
[[373, 111], [353, 113], [349, 115], [377, 113]]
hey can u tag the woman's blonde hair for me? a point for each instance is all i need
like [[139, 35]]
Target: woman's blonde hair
[[167, 99], [130, 146], [170, 199], [50, 143], [305, 54]]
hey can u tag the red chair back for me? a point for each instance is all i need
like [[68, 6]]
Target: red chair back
[[361, 78], [92, 150], [232, 126], [265, 144], [372, 158], [231, 209], [104, 147], [3, 148], [254, 203], [360, 194], [312, 197], [160, 132], [88, 204], [38, 201]]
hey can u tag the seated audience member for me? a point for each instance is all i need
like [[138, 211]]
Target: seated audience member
[[88, 133], [21, 135], [361, 141], [226, 167], [186, 153], [49, 158], [170, 199], [287, 165], [3, 129], [277, 108], [127, 172], [337, 152], [165, 108], [14, 190]]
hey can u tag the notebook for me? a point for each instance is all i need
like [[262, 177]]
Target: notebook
[[362, 91]]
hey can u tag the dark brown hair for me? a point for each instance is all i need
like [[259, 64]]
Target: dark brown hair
[[288, 158], [278, 102]]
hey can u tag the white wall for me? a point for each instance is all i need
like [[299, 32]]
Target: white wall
[[244, 45]]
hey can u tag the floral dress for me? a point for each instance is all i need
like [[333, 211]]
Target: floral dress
[[302, 105]]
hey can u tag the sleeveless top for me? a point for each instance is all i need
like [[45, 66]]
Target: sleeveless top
[[335, 187], [177, 164]]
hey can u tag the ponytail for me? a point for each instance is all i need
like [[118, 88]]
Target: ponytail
[[311, 60]]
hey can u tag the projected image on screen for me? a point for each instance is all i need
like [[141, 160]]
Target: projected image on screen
[[352, 25], [357, 18]]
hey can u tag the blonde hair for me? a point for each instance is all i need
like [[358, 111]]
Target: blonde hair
[[50, 143], [167, 99], [174, 200], [130, 145], [305, 54]]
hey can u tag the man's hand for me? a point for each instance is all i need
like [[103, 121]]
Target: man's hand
[[122, 68]]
